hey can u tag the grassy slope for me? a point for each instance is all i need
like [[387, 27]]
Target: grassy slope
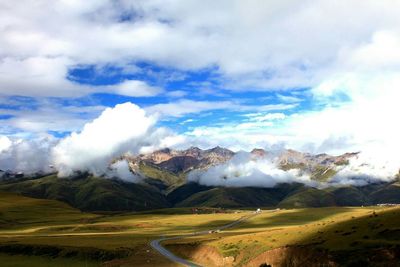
[[184, 191], [19, 261], [336, 229], [284, 196], [170, 179], [231, 197], [34, 225], [40, 229], [91, 194], [17, 211], [308, 197], [99, 194]]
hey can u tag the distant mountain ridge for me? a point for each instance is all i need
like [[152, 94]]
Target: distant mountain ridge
[[320, 167], [165, 184], [178, 161]]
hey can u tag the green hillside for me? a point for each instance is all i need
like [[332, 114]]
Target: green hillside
[[332, 236], [349, 196], [389, 193], [309, 197], [17, 211], [230, 197], [156, 173], [186, 190], [164, 189], [91, 193]]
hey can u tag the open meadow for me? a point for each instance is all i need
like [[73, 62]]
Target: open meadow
[[38, 232]]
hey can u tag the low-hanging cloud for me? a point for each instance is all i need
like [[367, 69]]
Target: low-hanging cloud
[[5, 143], [121, 170], [27, 156], [117, 130], [244, 170], [364, 169], [126, 128]]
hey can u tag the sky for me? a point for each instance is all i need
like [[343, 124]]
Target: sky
[[319, 76]]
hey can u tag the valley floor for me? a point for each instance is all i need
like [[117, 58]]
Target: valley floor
[[35, 232]]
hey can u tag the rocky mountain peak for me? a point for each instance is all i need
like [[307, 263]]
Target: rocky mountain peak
[[258, 152], [220, 151]]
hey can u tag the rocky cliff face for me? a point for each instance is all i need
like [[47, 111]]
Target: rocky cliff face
[[178, 161], [319, 167]]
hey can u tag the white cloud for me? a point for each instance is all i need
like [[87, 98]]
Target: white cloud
[[28, 155], [243, 171], [135, 88], [265, 117], [365, 169], [254, 44], [118, 130], [47, 76], [48, 116], [187, 121], [126, 128], [176, 93], [186, 106], [5, 143], [121, 170], [289, 98], [380, 53]]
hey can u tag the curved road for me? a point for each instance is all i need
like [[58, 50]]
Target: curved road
[[156, 244]]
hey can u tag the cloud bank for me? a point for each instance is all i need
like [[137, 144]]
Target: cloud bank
[[121, 170], [126, 128], [27, 156], [117, 130], [243, 170], [243, 39], [348, 63]]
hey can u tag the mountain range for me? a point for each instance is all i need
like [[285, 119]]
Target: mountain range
[[164, 184]]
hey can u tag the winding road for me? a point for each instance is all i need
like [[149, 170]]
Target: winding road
[[156, 244]]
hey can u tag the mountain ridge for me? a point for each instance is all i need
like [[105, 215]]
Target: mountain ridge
[[165, 183]]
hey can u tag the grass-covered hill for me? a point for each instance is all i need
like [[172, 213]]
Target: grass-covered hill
[[285, 196], [334, 236], [39, 232], [90, 193], [18, 211]]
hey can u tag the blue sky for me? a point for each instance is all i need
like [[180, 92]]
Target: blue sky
[[234, 73], [200, 86]]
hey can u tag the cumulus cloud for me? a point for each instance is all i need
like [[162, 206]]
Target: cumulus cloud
[[5, 143], [246, 170], [245, 40], [350, 61], [28, 156], [243, 170], [117, 130], [121, 170], [364, 169], [126, 128], [354, 109], [135, 88]]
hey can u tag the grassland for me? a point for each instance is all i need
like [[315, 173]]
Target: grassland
[[335, 230], [41, 232], [35, 230]]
